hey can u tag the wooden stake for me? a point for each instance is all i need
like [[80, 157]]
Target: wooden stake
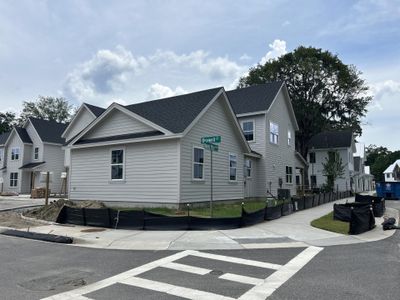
[[47, 188]]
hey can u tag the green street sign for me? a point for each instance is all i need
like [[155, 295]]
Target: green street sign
[[211, 139], [212, 147]]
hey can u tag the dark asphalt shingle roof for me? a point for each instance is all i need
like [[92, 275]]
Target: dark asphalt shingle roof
[[3, 137], [174, 113], [23, 134], [254, 98], [119, 137], [96, 110], [49, 131], [331, 139], [32, 165]]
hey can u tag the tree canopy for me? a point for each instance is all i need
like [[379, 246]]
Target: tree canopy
[[326, 93], [379, 158], [47, 108], [7, 121]]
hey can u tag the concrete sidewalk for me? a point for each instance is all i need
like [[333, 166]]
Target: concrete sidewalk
[[289, 231]]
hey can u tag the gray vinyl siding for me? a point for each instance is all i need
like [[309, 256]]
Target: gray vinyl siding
[[116, 123], [83, 119], [277, 157], [36, 142], [258, 182], [54, 157], [214, 122], [13, 165], [151, 173]]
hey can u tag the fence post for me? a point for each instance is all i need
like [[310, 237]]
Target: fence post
[[84, 216], [188, 214], [144, 219]]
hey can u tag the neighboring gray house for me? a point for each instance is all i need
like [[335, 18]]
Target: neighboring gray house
[[269, 124], [151, 152], [320, 146], [26, 152]]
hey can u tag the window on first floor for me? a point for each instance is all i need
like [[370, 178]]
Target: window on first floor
[[248, 130], [313, 179], [117, 164], [388, 175], [248, 168], [13, 179], [15, 153], [289, 174], [36, 153], [198, 163], [273, 133], [232, 166]]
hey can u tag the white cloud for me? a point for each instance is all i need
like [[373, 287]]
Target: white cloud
[[286, 23], [116, 100], [278, 48], [383, 94], [245, 57], [157, 91]]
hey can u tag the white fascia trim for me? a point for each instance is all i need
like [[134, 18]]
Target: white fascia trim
[[122, 109], [128, 141], [288, 102], [253, 155], [53, 144], [261, 112], [75, 116]]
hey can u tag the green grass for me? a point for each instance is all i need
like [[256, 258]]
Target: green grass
[[328, 223], [221, 210]]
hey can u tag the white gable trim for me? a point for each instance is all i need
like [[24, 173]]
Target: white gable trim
[[83, 106], [261, 112], [283, 89], [233, 116], [123, 110]]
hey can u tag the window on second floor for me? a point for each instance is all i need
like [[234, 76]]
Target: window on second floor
[[312, 157], [36, 153], [1, 155], [248, 130], [289, 138], [15, 153], [273, 133]]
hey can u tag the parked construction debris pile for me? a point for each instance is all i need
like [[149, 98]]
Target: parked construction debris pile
[[51, 211]]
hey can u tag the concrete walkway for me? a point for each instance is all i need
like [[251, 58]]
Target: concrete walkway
[[289, 231]]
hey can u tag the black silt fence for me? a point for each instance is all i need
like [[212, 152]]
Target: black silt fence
[[251, 218], [342, 212], [378, 204], [197, 223], [273, 212], [287, 209], [308, 202], [362, 219]]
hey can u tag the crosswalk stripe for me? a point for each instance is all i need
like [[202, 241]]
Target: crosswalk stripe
[[242, 279], [186, 268]]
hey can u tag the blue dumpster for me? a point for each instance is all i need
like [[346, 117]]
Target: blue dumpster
[[388, 190]]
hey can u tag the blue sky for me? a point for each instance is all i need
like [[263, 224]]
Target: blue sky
[[132, 51]]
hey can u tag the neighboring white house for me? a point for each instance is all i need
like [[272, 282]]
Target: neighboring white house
[[362, 179], [392, 173], [27, 151], [151, 152], [320, 147]]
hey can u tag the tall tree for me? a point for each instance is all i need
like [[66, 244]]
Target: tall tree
[[333, 169], [7, 121], [47, 108], [325, 92]]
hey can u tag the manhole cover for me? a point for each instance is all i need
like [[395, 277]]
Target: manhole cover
[[216, 272], [93, 230]]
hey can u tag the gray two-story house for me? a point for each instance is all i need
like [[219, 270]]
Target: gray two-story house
[[26, 152]]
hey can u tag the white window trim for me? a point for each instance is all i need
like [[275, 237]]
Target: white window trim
[[229, 167], [123, 164], [291, 175], [34, 158], [193, 162], [15, 180], [246, 168], [19, 153], [254, 128], [277, 135]]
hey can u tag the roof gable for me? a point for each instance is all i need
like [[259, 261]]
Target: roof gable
[[96, 110], [254, 98], [332, 139], [4, 137], [175, 113], [49, 131]]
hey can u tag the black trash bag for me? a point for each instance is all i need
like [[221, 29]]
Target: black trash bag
[[389, 224], [362, 219]]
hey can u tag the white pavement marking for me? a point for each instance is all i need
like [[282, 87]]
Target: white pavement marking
[[261, 290], [274, 245], [186, 268], [173, 289], [279, 277], [242, 279], [236, 260]]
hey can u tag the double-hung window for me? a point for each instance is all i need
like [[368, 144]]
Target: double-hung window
[[1, 155], [248, 130], [248, 167], [36, 153], [289, 174], [232, 166], [273, 133], [117, 164], [13, 179], [15, 153], [198, 163], [289, 138]]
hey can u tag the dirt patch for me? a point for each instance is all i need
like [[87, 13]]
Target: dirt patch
[[51, 211], [13, 219]]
